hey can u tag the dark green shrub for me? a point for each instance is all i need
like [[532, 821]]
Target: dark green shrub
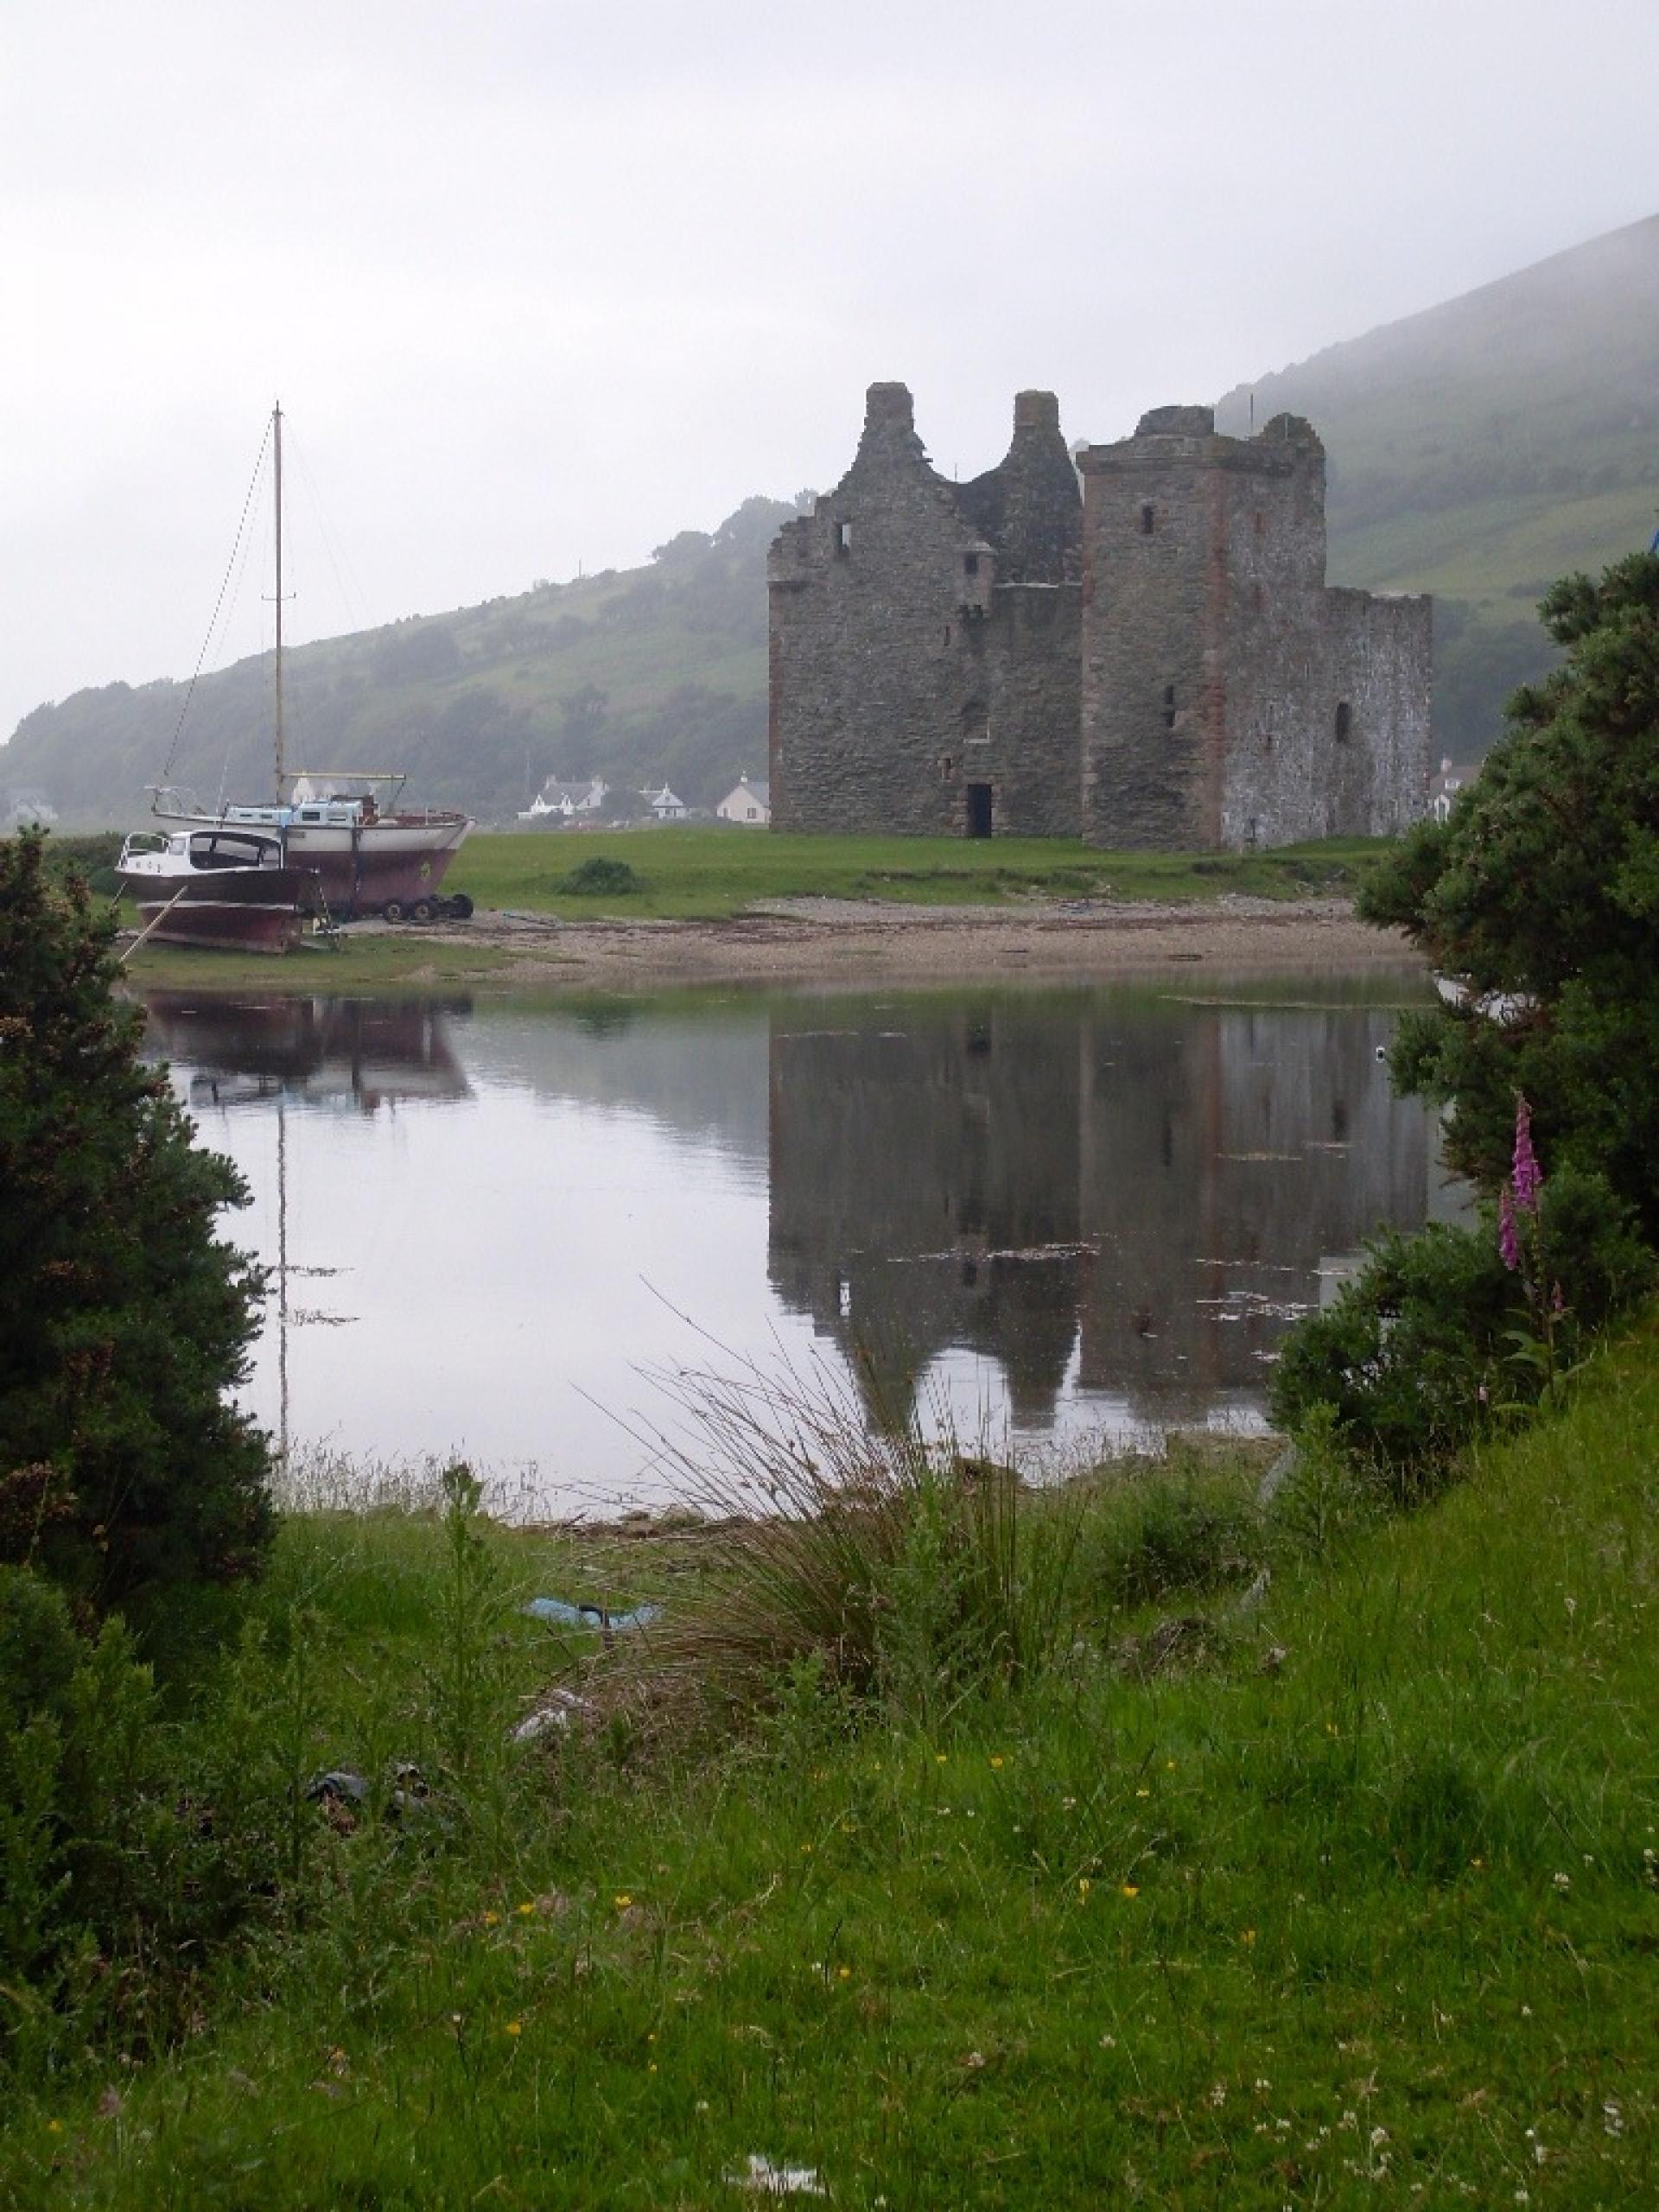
[[1544, 886], [1436, 1338], [1539, 896], [123, 1319], [600, 878], [78, 1747]]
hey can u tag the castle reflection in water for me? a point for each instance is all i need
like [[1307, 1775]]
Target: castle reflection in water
[[1148, 1193], [1116, 1200]]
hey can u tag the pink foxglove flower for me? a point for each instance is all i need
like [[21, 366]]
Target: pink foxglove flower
[[1508, 1242], [1526, 1175]]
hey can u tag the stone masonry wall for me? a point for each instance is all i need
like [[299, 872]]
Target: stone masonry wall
[[1229, 698], [924, 640], [1153, 687], [1161, 665]]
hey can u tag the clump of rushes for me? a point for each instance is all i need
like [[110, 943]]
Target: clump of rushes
[[891, 1567]]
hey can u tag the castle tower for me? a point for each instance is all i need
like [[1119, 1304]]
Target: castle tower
[[923, 639], [1229, 698]]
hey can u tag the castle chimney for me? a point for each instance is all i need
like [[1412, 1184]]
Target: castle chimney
[[1036, 410], [889, 407]]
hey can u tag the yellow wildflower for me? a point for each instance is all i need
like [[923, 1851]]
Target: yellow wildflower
[[1084, 1887], [491, 1918], [525, 1909], [996, 1762], [623, 1900], [513, 2028], [1131, 1889]]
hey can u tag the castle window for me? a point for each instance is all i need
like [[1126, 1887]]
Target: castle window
[[1261, 523], [1169, 706], [1345, 722], [970, 564], [844, 537], [1149, 515]]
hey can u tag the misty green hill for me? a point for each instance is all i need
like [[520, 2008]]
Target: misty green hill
[[640, 676], [1477, 451], [1484, 448]]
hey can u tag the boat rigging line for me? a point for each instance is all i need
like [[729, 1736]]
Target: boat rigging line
[[225, 585]]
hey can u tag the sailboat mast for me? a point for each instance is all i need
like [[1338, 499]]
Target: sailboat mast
[[276, 431]]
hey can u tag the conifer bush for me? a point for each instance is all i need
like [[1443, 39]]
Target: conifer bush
[[1538, 897], [124, 1320]]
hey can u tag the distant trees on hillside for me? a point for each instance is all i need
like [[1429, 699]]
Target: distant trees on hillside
[[651, 674]]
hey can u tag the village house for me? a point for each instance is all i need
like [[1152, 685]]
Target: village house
[[1453, 776], [747, 802], [565, 800]]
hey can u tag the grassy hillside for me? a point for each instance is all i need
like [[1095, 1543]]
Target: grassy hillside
[[640, 676], [1349, 1898], [1484, 448]]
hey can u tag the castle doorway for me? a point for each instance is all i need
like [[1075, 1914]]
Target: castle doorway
[[979, 809]]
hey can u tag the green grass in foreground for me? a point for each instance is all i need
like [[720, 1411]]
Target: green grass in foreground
[[1359, 1909], [707, 874]]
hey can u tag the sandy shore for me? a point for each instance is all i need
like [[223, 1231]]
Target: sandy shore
[[819, 941]]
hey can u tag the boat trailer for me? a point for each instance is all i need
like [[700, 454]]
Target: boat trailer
[[429, 907]]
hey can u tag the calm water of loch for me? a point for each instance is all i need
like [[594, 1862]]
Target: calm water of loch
[[492, 1225]]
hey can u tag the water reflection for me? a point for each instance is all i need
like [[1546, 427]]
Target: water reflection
[[1126, 1200], [1073, 1210], [358, 1053]]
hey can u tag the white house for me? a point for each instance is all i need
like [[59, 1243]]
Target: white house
[[748, 803], [1445, 787], [665, 806], [566, 800]]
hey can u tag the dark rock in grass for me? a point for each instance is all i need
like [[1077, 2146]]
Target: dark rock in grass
[[1179, 1639]]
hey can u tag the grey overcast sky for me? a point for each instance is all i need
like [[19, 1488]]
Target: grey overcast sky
[[540, 283]]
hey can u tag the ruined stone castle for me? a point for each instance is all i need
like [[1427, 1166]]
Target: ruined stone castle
[[1155, 660]]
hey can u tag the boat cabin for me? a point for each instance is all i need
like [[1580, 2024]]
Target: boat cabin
[[323, 813], [184, 850]]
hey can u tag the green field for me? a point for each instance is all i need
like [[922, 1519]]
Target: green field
[[722, 872], [1352, 1903]]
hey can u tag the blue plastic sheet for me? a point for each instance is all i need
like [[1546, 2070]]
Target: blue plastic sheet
[[561, 1610]]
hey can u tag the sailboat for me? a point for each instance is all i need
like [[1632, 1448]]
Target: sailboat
[[371, 853]]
